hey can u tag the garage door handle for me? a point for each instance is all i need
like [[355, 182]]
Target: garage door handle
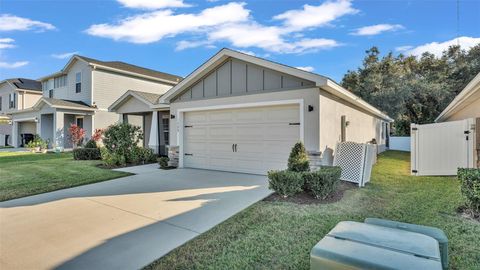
[[294, 124], [235, 147], [187, 154]]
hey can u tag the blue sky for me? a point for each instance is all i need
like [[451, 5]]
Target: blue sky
[[327, 37]]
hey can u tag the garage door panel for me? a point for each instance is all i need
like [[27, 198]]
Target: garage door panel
[[220, 117], [196, 118], [263, 136], [197, 133], [282, 114], [221, 133]]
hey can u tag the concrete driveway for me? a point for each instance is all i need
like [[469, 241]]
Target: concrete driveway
[[124, 223]]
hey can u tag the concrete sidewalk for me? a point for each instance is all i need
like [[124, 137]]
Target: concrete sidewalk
[[124, 223]]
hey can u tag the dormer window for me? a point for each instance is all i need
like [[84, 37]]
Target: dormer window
[[12, 100], [60, 81], [78, 82]]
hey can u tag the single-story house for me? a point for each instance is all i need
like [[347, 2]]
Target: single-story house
[[241, 113], [453, 141]]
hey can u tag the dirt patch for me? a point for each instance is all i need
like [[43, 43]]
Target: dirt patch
[[306, 198], [468, 213]]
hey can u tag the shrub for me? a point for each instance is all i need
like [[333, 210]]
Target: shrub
[[91, 144], [76, 134], [112, 159], [97, 134], [147, 155], [121, 139], [163, 161], [86, 154], [323, 182], [285, 183], [298, 159], [470, 186], [37, 142]]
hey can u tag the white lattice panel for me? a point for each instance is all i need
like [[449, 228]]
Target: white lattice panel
[[356, 161]]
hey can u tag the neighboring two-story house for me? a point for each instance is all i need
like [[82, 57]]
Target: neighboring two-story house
[[80, 94], [16, 94]]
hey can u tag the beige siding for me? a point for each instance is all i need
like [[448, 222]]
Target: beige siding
[[68, 92], [470, 111], [108, 87], [362, 126], [309, 97], [24, 99], [5, 90]]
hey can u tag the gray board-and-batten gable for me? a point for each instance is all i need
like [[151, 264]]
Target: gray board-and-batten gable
[[235, 77]]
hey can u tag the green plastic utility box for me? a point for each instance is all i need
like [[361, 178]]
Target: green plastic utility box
[[436, 233], [356, 245]]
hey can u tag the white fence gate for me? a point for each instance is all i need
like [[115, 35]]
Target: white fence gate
[[442, 148]]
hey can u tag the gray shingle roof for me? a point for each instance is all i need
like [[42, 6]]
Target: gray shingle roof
[[68, 103], [27, 84], [132, 68], [150, 97]]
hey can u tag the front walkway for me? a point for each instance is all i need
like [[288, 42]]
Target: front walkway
[[121, 224]]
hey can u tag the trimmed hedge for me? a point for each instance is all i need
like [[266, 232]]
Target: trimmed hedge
[[86, 154], [91, 144], [470, 186], [323, 182], [285, 183]]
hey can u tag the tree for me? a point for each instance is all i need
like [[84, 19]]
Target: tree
[[413, 89], [77, 134], [298, 159]]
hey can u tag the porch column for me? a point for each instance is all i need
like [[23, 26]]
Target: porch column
[[58, 129], [153, 140], [15, 134], [120, 118], [38, 126]]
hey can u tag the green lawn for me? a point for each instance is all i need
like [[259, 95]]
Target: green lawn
[[279, 235], [23, 174]]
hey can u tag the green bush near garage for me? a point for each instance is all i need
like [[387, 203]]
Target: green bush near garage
[[286, 183], [470, 187], [322, 182]]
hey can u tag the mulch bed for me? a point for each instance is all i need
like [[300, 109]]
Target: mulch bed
[[468, 213], [102, 166], [306, 198]]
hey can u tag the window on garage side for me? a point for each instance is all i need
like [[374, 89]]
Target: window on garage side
[[78, 82]]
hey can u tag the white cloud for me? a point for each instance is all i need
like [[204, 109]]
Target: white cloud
[[13, 65], [376, 29], [437, 48], [268, 38], [403, 48], [13, 23], [63, 55], [307, 68], [154, 26], [6, 43], [153, 4], [315, 16], [231, 23]]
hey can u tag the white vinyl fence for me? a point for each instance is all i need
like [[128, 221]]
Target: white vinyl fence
[[400, 143], [442, 148]]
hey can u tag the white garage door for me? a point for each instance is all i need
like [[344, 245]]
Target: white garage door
[[250, 140]]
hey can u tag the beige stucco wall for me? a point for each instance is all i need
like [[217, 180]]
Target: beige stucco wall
[[309, 97], [30, 99], [470, 111], [109, 86], [362, 126]]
